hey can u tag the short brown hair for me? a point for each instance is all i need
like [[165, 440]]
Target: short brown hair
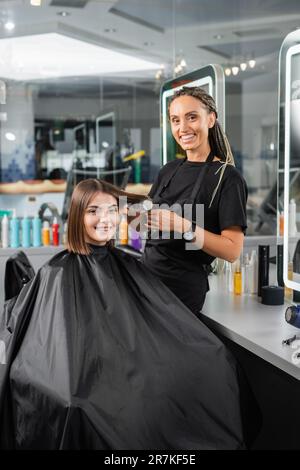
[[81, 197]]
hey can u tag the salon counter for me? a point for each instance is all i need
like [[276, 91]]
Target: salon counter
[[254, 334], [256, 327]]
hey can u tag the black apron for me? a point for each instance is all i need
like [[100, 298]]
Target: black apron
[[190, 286]]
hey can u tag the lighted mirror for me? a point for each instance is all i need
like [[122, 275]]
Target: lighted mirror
[[289, 156], [211, 78]]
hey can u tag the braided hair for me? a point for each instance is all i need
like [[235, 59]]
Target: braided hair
[[216, 136]]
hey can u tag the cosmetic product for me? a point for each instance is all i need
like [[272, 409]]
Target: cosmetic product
[[26, 232], [288, 292], [280, 265], [228, 276], [263, 267], [254, 272], [248, 275], [5, 231], [55, 232], [46, 233], [237, 279], [36, 231], [281, 224], [135, 239], [14, 231], [123, 230]]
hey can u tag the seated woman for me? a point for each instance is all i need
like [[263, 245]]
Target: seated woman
[[100, 354]]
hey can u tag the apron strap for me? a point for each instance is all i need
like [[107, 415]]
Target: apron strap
[[200, 178], [171, 176]]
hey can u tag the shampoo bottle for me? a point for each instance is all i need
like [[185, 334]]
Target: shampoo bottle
[[5, 231], [14, 231], [25, 225], [37, 231]]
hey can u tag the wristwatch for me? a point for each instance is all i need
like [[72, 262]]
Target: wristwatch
[[190, 235]]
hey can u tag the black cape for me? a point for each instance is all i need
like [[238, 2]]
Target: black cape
[[97, 353]]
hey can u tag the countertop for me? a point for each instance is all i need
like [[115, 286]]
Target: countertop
[[258, 328]]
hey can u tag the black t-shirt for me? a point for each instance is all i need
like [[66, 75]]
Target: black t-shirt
[[169, 259]]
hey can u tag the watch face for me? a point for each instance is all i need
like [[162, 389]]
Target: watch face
[[147, 205], [188, 236]]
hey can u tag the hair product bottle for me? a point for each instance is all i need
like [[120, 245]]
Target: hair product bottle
[[228, 276], [237, 279], [123, 230], [288, 292], [55, 232], [280, 265], [263, 267], [254, 272], [248, 275], [5, 231], [46, 233], [26, 232], [36, 231], [14, 231]]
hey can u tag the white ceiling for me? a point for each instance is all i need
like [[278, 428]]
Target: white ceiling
[[204, 31]]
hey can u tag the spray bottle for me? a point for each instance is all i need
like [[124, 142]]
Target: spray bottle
[[55, 232]]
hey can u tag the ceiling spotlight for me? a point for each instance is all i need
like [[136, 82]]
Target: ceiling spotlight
[[252, 63], [63, 13], [9, 25], [235, 70], [10, 136], [218, 36], [36, 3], [228, 71], [243, 66]]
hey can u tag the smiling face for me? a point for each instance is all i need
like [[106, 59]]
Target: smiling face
[[101, 219], [190, 123]]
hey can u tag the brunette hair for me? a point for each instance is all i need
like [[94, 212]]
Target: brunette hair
[[81, 197], [216, 136]]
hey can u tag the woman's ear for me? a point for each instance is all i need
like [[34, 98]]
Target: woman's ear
[[211, 120]]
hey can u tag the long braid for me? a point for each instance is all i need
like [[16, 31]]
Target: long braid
[[216, 136]]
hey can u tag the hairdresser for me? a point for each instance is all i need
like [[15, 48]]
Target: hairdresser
[[210, 193]]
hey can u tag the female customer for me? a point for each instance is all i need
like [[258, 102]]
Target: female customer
[[101, 355], [205, 178]]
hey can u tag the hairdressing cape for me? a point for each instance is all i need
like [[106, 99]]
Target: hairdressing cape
[[96, 353]]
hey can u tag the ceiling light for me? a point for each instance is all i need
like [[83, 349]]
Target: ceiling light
[[10, 136], [51, 55], [228, 71], [182, 63], [63, 13], [218, 36], [252, 63], [235, 70], [243, 66], [36, 3], [9, 25]]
